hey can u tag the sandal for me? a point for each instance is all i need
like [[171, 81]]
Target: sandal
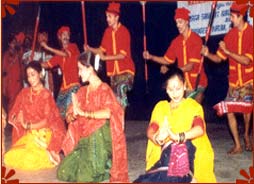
[[234, 151], [247, 144]]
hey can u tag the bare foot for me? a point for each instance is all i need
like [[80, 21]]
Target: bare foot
[[247, 144], [234, 151]]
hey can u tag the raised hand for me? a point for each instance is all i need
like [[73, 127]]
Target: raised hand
[[43, 44], [204, 50], [223, 46]]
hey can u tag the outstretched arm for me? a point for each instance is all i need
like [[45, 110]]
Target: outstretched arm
[[102, 55], [157, 59], [55, 51]]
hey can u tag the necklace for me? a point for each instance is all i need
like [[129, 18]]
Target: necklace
[[35, 92]]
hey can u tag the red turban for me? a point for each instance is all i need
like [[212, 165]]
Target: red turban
[[182, 13], [239, 8], [62, 29], [114, 8]]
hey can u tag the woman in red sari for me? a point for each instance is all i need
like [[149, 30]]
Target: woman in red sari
[[95, 145], [38, 129]]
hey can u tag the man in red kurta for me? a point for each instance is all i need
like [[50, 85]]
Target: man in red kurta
[[66, 59], [115, 50], [237, 47], [185, 48], [13, 70]]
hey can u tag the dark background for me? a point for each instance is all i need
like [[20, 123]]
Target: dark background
[[160, 30]]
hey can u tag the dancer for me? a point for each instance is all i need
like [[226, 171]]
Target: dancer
[[186, 49], [38, 129], [95, 145], [115, 50], [237, 46], [66, 59], [178, 147]]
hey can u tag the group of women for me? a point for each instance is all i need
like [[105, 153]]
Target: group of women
[[94, 144]]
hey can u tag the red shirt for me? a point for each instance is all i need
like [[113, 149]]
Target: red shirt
[[68, 65], [115, 42], [240, 42], [13, 78], [186, 51]]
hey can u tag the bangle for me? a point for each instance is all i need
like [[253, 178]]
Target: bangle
[[90, 115], [87, 114], [154, 138]]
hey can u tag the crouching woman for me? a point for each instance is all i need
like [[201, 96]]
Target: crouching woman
[[178, 147]]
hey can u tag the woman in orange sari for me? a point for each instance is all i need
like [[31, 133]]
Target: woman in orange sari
[[38, 129], [95, 145]]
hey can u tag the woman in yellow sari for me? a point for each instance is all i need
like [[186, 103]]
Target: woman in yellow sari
[[178, 147], [38, 129]]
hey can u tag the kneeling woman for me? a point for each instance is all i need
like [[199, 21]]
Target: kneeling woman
[[178, 147], [38, 129], [95, 145]]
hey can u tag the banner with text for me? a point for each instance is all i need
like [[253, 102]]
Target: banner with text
[[200, 13]]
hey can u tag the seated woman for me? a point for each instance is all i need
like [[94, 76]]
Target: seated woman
[[178, 147], [38, 129], [95, 145]]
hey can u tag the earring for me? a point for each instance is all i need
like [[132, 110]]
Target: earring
[[43, 73]]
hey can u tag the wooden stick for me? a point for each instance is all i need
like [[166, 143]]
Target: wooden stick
[[35, 34], [208, 31], [84, 21], [144, 35]]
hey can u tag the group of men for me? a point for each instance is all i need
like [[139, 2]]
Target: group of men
[[186, 48]]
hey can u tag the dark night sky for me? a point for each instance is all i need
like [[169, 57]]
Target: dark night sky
[[160, 30]]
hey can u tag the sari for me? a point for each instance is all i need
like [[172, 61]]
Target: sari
[[36, 148], [83, 130], [204, 155], [169, 168]]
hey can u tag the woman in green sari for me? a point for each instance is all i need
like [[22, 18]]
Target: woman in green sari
[[95, 146]]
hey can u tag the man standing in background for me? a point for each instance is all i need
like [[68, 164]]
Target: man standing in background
[[115, 50], [237, 47], [66, 59]]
